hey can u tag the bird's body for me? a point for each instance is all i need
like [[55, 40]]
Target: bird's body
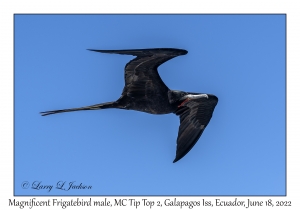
[[145, 91]]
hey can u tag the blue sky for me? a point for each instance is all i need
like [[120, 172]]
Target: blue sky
[[238, 58]]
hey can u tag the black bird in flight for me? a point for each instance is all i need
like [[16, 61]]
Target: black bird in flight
[[146, 92]]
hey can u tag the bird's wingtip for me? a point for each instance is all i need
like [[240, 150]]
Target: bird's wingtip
[[175, 160], [184, 52]]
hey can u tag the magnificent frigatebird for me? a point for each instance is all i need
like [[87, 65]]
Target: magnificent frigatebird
[[146, 92]]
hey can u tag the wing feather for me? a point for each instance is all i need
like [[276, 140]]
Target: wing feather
[[142, 80], [194, 117]]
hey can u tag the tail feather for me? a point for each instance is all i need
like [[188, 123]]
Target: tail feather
[[93, 107]]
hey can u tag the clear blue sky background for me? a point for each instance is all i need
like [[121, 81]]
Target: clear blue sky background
[[239, 58]]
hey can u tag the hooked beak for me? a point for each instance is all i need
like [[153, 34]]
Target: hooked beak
[[190, 96]]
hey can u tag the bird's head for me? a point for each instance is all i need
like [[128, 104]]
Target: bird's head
[[176, 95]]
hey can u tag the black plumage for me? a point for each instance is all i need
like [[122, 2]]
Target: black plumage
[[145, 91]]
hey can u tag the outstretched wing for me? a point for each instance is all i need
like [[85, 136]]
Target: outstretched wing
[[142, 80], [195, 115]]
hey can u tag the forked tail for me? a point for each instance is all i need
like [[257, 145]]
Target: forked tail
[[93, 107]]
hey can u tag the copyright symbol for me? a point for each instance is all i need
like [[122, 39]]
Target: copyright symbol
[[25, 185]]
